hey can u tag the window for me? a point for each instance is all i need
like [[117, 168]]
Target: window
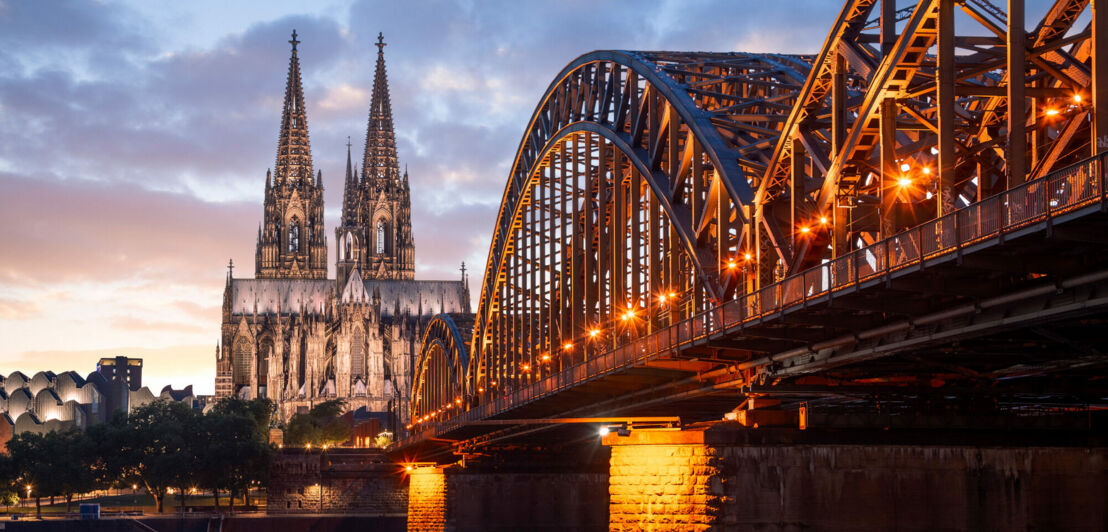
[[347, 239], [380, 236], [294, 235], [357, 353], [241, 360]]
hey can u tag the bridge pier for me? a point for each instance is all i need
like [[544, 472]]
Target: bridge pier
[[728, 477], [511, 490]]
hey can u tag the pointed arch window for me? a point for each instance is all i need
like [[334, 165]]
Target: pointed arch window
[[357, 353], [347, 239], [294, 234], [380, 236], [241, 360]]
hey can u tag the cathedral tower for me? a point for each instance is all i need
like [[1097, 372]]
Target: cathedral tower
[[375, 235], [291, 242]]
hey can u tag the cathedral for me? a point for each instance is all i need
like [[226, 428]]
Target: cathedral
[[294, 336]]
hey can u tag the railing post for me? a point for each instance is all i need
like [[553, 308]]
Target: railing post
[[919, 244], [1100, 181], [1047, 185], [854, 265], [957, 234]]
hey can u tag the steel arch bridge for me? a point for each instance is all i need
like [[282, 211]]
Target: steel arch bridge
[[656, 194]]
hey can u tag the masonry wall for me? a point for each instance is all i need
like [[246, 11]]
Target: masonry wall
[[348, 481], [700, 480], [914, 488], [427, 494], [526, 501], [666, 483]]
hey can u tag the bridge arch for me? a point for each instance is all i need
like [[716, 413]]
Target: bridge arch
[[630, 193], [439, 378]]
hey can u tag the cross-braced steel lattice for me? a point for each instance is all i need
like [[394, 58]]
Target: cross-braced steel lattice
[[652, 186]]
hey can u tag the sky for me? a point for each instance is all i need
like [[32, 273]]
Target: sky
[[135, 138]]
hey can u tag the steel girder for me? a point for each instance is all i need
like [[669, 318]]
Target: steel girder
[[693, 161], [635, 175], [440, 372], [929, 108]]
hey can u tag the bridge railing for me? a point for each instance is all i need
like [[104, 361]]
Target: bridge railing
[[1036, 201]]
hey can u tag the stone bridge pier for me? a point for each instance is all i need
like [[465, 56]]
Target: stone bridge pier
[[506, 490], [736, 478], [729, 477]]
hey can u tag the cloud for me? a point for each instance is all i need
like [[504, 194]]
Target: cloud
[[102, 231], [13, 309], [134, 140], [132, 323]]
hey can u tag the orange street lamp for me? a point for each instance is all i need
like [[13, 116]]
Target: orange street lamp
[[1051, 112], [731, 265], [566, 347], [926, 170], [805, 229], [748, 256], [904, 182], [823, 220], [593, 333], [629, 315]]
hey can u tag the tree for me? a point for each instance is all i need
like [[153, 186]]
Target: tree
[[9, 475], [34, 463], [259, 410], [157, 446], [238, 453], [322, 425], [73, 463]]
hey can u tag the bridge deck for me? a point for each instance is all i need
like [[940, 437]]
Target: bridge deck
[[1006, 288]]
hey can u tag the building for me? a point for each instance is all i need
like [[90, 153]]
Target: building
[[128, 370], [292, 335], [49, 401]]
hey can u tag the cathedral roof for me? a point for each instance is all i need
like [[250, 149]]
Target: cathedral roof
[[409, 297], [280, 295], [419, 297]]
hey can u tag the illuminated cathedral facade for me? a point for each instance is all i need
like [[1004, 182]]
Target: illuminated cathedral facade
[[295, 336]]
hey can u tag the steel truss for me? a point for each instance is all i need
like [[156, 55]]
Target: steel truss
[[650, 187]]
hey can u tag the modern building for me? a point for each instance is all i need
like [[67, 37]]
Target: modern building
[[294, 336], [50, 401], [124, 369]]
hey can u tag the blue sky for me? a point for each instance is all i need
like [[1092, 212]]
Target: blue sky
[[135, 137]]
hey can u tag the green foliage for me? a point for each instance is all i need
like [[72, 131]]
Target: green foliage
[[258, 410], [159, 445], [383, 440], [322, 425], [240, 454], [56, 464]]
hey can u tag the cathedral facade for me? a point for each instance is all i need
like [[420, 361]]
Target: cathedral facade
[[295, 336]]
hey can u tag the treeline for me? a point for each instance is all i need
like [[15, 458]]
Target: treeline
[[158, 446]]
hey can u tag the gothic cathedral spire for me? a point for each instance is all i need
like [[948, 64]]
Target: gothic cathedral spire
[[376, 231], [380, 140], [292, 243]]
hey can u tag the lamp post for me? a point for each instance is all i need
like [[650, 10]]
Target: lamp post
[[321, 457], [134, 495]]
